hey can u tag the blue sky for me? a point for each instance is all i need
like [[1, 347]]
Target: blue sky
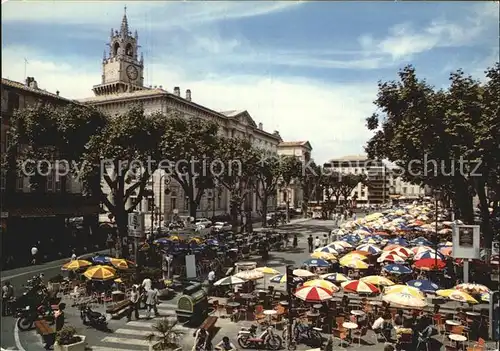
[[308, 69]]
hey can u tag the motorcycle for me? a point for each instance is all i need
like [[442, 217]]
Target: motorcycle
[[247, 338], [29, 314], [92, 318], [304, 334]]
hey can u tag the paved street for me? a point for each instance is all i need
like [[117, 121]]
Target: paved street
[[131, 335]]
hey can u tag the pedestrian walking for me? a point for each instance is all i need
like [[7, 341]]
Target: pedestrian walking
[[152, 302], [7, 294], [286, 240], [310, 243], [295, 241], [134, 306], [317, 243], [325, 240], [59, 322], [73, 255], [34, 255]]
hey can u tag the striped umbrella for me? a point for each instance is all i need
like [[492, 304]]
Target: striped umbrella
[[397, 269], [353, 263], [267, 270], [335, 277], [404, 299], [404, 289], [303, 273], [359, 286], [231, 280], [325, 284], [429, 254], [473, 288], [377, 280], [324, 256], [327, 249], [391, 247], [456, 295], [313, 294], [317, 263], [281, 279], [402, 251], [121, 263], [371, 249], [76, 265], [388, 257], [252, 274], [342, 243]]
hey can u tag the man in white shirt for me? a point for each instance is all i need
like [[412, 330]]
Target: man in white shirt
[[146, 284], [211, 277], [151, 302], [317, 242], [34, 253]]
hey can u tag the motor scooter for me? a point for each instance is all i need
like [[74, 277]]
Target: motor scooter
[[92, 318], [247, 338]]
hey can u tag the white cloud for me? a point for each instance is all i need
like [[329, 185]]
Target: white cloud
[[149, 14], [404, 40], [331, 116]]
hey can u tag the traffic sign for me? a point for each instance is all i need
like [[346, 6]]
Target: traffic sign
[[136, 224]]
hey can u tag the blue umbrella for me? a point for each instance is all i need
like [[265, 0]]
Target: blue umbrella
[[317, 263], [100, 259], [213, 242], [162, 241], [399, 241], [421, 241], [397, 269], [281, 279], [431, 254], [423, 285]]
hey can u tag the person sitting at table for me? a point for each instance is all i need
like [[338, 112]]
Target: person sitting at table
[[399, 318], [225, 345], [379, 322]]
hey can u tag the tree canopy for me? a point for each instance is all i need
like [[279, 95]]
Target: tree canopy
[[445, 138]]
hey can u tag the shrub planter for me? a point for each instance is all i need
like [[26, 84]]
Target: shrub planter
[[79, 346]]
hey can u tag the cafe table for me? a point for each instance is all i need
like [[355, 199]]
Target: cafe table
[[350, 326], [458, 339], [269, 314], [473, 314], [453, 322]]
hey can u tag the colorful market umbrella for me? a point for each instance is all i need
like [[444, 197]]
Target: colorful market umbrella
[[399, 241], [76, 265], [421, 241], [369, 248], [342, 243], [473, 288], [303, 273], [391, 247], [252, 274], [355, 256], [358, 286], [324, 256], [388, 257], [267, 270], [485, 297], [281, 279], [402, 251], [456, 295], [405, 300], [313, 294], [327, 249], [404, 289], [369, 240], [100, 259], [335, 277], [100, 273], [377, 280], [231, 280], [397, 269], [423, 285], [429, 264], [429, 254], [353, 263], [317, 263], [325, 284], [121, 263]]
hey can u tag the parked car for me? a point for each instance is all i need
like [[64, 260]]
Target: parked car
[[202, 221], [222, 227]]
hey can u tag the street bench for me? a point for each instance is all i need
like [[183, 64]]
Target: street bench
[[117, 309], [45, 331], [209, 323]]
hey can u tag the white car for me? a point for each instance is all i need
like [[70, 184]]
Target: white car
[[222, 227], [203, 221]]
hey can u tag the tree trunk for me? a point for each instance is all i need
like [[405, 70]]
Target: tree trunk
[[121, 218], [234, 215], [264, 201], [486, 228], [193, 208]]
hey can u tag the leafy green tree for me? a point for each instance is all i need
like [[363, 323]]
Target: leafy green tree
[[350, 181], [236, 171], [447, 139], [124, 155], [190, 144], [311, 181]]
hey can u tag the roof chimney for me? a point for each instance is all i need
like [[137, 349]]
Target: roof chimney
[[188, 95], [177, 91], [57, 92], [161, 86], [261, 126], [31, 82]]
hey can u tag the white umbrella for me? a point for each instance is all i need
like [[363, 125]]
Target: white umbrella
[[231, 280], [302, 273], [252, 274]]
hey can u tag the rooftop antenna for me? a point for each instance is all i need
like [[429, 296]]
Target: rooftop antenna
[[25, 67]]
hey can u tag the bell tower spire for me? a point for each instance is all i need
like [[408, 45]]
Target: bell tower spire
[[124, 28], [122, 68]]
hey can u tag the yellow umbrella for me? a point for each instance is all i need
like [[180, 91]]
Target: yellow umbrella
[[174, 237], [118, 280], [267, 270], [323, 255], [322, 284], [354, 263], [377, 280], [404, 289], [100, 273], [196, 240], [302, 273], [76, 265], [456, 295], [120, 263], [355, 256], [405, 299]]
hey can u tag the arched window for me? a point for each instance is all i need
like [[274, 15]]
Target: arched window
[[129, 50], [116, 47]]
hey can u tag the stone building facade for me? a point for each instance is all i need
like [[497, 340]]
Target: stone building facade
[[122, 85]]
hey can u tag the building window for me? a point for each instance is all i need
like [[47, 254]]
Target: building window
[[12, 102], [173, 203], [219, 200], [20, 183], [186, 203]]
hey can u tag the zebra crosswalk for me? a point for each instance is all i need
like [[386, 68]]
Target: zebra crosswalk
[[132, 335]]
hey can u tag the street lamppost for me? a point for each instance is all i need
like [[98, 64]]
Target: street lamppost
[[162, 183]]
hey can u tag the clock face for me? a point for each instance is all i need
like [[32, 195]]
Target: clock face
[[132, 72]]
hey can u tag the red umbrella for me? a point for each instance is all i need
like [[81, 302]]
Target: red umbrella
[[429, 264], [313, 294], [359, 286]]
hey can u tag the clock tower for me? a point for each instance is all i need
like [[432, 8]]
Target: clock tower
[[122, 70]]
